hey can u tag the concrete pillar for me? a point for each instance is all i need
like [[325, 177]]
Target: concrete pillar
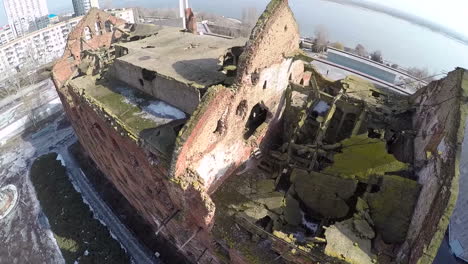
[[182, 6]]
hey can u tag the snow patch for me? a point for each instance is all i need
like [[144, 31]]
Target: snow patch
[[321, 108], [309, 225], [155, 110], [62, 161], [163, 109]]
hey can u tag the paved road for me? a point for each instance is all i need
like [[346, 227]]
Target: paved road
[[11, 99], [34, 103], [336, 72], [134, 248], [15, 106]]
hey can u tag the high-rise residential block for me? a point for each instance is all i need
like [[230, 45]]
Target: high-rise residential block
[[81, 7], [25, 16]]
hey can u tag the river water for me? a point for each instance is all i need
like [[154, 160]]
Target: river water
[[400, 41]]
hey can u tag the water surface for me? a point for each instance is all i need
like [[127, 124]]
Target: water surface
[[400, 41]]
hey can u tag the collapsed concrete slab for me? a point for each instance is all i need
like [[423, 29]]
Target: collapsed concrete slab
[[238, 150]]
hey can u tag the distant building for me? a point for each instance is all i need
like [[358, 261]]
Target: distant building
[[39, 47], [126, 14], [6, 34], [42, 22], [361, 64], [53, 19], [25, 16], [81, 7]]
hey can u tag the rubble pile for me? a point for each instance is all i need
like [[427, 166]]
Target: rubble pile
[[332, 186]]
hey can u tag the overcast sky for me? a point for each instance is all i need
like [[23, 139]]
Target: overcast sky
[[450, 13]]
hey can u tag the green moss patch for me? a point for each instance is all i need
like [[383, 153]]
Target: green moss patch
[[79, 236], [128, 113], [301, 55], [324, 194], [117, 104], [392, 207], [363, 157], [126, 107]]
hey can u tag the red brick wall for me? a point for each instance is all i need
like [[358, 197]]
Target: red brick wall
[[76, 42], [128, 166]]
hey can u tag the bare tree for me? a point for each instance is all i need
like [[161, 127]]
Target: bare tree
[[10, 86], [28, 76], [321, 39], [377, 56], [338, 45], [28, 70], [361, 50], [30, 101], [420, 73]]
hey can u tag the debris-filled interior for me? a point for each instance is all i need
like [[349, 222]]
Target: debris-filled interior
[[334, 181]]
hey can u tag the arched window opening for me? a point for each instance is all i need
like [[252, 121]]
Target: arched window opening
[[257, 117], [97, 28], [108, 26], [87, 33]]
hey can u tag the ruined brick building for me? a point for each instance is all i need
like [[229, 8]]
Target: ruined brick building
[[237, 151]]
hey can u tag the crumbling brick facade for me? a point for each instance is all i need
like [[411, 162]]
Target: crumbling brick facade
[[169, 121], [171, 194], [439, 123]]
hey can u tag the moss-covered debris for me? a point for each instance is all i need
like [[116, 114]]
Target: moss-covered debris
[[292, 211], [237, 199], [80, 237], [127, 109], [118, 104], [363, 157], [301, 55], [392, 207], [324, 194], [345, 243]]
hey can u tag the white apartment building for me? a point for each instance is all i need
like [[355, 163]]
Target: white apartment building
[[81, 7], [25, 16], [37, 48], [123, 13], [6, 34]]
